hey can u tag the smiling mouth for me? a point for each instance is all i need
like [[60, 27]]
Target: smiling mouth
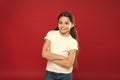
[[62, 28]]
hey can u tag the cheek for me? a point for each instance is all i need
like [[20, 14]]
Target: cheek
[[70, 26]]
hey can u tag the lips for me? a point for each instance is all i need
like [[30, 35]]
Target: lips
[[62, 29]]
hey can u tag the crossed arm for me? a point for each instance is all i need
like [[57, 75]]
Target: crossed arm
[[58, 59]]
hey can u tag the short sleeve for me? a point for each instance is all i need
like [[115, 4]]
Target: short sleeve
[[49, 35], [74, 45]]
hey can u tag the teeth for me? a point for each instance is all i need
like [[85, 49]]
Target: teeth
[[63, 28]]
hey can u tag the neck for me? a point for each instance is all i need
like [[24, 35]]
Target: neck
[[65, 34]]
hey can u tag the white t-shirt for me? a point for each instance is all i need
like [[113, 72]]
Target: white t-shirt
[[60, 45]]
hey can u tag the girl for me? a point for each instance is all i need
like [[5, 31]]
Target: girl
[[60, 48]]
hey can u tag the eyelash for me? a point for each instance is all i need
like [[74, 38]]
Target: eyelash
[[65, 23]]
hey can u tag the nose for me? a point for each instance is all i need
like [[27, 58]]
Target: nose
[[62, 25]]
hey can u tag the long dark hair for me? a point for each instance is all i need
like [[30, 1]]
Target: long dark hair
[[73, 31]]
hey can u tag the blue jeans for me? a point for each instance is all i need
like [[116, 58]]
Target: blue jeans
[[57, 76]]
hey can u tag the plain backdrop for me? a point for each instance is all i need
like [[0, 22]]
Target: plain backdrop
[[24, 23]]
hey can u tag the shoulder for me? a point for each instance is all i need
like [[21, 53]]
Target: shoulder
[[52, 31], [72, 40], [73, 44], [50, 34]]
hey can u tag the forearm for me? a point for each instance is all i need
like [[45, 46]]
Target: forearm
[[68, 61], [51, 56], [64, 63], [46, 52]]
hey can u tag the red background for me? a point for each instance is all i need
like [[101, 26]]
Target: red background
[[24, 23]]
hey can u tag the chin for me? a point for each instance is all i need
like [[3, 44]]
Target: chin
[[63, 32]]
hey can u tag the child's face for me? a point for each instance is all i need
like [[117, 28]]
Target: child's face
[[64, 25]]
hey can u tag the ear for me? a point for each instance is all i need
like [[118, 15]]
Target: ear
[[73, 25]]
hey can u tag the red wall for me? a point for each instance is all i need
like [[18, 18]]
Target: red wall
[[24, 23]]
